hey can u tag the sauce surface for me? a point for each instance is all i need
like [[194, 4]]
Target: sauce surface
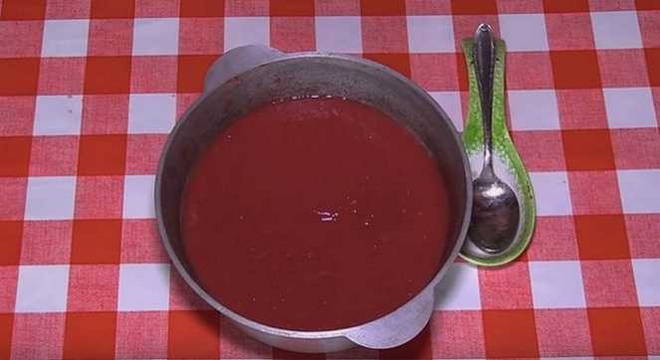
[[314, 214]]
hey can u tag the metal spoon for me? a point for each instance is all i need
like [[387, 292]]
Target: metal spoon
[[495, 210]]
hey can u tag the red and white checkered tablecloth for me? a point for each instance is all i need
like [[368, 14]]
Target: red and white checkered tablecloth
[[89, 90]]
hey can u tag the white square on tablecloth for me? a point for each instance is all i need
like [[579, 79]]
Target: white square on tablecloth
[[533, 109], [63, 38], [629, 107], [151, 113], [459, 289], [427, 34], [639, 190], [524, 32], [58, 115], [50, 198], [42, 288], [156, 36], [646, 273], [240, 31], [552, 193], [616, 30], [144, 287], [341, 34], [139, 197], [450, 102], [557, 284]]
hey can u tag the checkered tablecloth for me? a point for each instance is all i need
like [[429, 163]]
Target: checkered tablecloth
[[90, 89]]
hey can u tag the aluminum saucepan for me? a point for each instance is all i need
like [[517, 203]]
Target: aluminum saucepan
[[250, 76]]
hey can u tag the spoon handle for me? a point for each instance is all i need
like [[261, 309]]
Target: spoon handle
[[484, 55]]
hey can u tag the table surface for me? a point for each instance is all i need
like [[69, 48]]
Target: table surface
[[89, 91]]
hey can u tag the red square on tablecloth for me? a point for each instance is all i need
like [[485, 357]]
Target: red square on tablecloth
[[495, 287], [563, 332], [110, 37], [183, 102], [90, 335], [284, 29], [554, 239], [651, 322], [143, 153], [647, 5], [608, 283], [140, 242], [234, 344], [247, 8], [383, 8], [565, 6], [191, 71], [16, 158], [540, 150], [588, 149], [616, 331], [279, 354], [141, 333], [457, 335], [103, 9], [620, 68], [569, 31], [102, 155], [337, 7], [648, 23], [518, 76], [581, 109], [575, 69], [46, 242], [22, 9], [59, 76], [384, 34], [653, 65], [424, 71], [93, 287], [96, 241], [472, 7], [153, 74], [8, 283], [157, 8], [6, 327], [29, 33], [643, 230], [425, 7], [37, 336], [292, 8], [20, 109], [68, 9], [399, 62], [54, 155], [12, 193], [601, 237], [594, 192], [194, 334], [202, 8], [105, 114], [19, 76], [99, 197], [498, 327], [611, 5], [192, 42], [107, 75], [12, 233], [520, 7], [182, 297], [417, 348]]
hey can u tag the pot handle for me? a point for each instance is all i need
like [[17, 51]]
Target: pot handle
[[237, 61], [399, 326]]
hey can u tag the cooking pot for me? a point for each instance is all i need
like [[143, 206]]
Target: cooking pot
[[247, 77]]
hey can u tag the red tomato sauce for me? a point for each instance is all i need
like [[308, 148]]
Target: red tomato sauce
[[314, 214]]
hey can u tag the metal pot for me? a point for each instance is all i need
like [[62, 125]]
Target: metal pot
[[247, 77]]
